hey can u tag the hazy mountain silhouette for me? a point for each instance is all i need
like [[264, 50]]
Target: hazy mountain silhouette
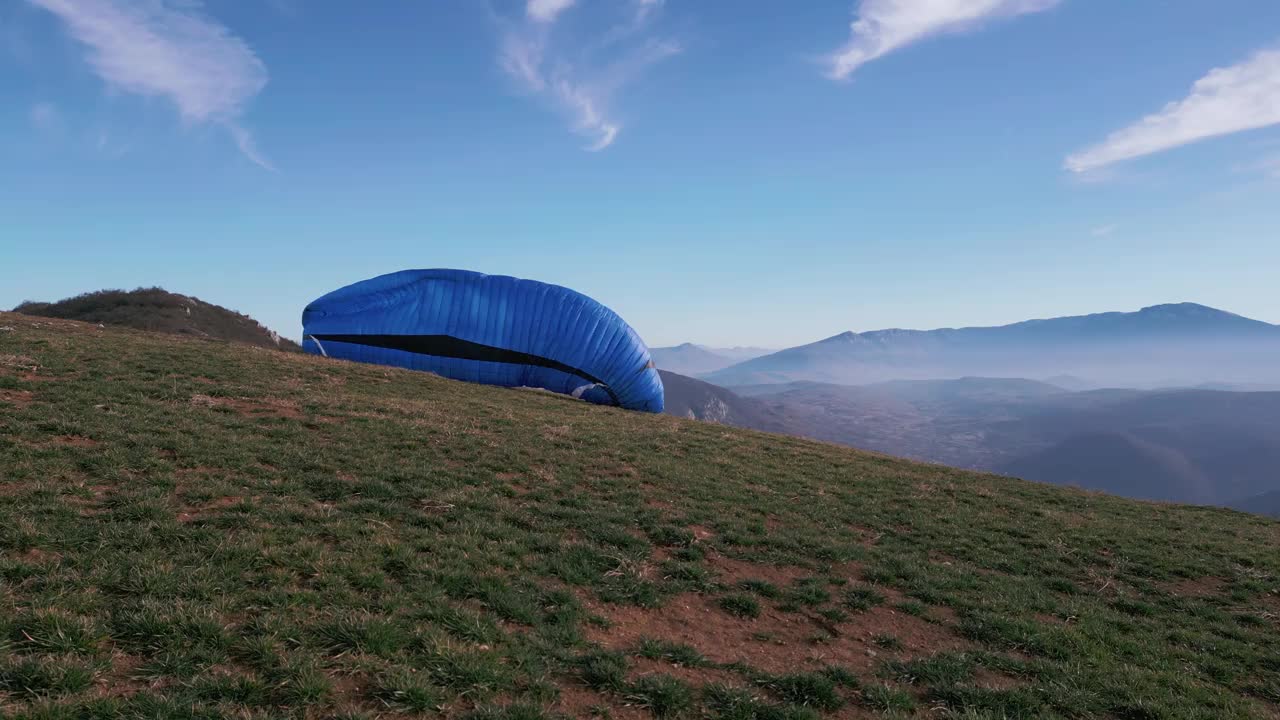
[[1264, 504], [691, 359], [1198, 446], [1159, 345], [1117, 463]]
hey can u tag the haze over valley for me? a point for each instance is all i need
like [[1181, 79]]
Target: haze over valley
[[1173, 402]]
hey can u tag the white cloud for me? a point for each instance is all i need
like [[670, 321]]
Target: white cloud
[[882, 26], [45, 117], [644, 7], [248, 148], [547, 10], [1266, 165], [1104, 230], [158, 48], [521, 57], [1226, 100], [588, 121], [580, 77]]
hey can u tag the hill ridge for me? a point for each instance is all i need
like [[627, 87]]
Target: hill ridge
[[157, 309]]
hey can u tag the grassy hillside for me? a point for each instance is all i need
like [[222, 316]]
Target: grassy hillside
[[194, 529], [159, 310]]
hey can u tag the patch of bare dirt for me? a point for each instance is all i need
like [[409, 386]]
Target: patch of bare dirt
[[19, 362], [695, 676], [348, 689], [87, 506], [1197, 587], [78, 441], [701, 533], [197, 512], [576, 701], [34, 376], [18, 398], [776, 641], [732, 571], [119, 680], [37, 555], [657, 504]]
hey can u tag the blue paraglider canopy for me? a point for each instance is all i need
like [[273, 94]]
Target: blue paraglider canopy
[[490, 329]]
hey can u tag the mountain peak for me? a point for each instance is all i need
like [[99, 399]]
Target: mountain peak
[[1188, 309], [1192, 341]]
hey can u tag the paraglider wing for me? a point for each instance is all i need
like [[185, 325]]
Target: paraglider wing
[[489, 329]]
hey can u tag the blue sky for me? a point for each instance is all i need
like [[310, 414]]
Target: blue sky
[[728, 172]]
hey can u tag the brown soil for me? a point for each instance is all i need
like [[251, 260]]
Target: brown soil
[[195, 513], [74, 441], [695, 676], [576, 702], [777, 641], [1197, 587], [19, 361], [732, 571], [37, 555], [118, 680], [19, 398], [659, 504]]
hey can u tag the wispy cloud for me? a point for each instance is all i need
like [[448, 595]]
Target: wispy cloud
[[546, 10], [1226, 100], [45, 117], [1266, 165], [580, 75], [644, 7], [169, 49], [1104, 230], [882, 26]]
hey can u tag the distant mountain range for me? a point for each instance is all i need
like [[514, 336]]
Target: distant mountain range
[[1157, 346], [1195, 446], [1264, 504], [159, 310], [691, 359], [1172, 402]]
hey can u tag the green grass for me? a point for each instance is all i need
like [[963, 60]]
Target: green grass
[[195, 529], [861, 598], [740, 605], [662, 695], [816, 690], [677, 653]]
